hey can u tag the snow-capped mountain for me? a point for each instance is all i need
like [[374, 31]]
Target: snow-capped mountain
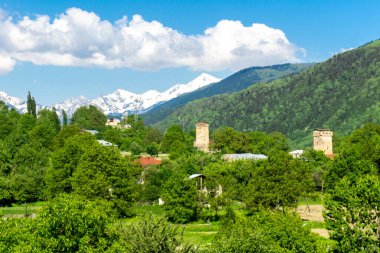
[[13, 102], [17, 103], [120, 101]]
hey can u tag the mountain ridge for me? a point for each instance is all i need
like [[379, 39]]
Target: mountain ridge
[[341, 93], [235, 82], [120, 101]]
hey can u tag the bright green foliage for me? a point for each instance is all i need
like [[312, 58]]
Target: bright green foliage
[[48, 117], [67, 224], [153, 135], [227, 140], [89, 118], [135, 148], [181, 199], [173, 134], [266, 232], [16, 235], [66, 132], [153, 235], [31, 105], [360, 155], [364, 144], [341, 93], [236, 82], [65, 160], [155, 178], [113, 135], [152, 149], [103, 173], [176, 142], [353, 214], [280, 182]]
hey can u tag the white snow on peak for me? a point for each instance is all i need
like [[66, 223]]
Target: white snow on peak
[[120, 101]]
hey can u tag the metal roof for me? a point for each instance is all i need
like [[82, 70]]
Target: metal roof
[[246, 156]]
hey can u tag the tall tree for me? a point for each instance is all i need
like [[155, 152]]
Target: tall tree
[[64, 117], [31, 105], [89, 117]]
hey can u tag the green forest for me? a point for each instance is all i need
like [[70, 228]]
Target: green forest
[[341, 93], [236, 82], [62, 191]]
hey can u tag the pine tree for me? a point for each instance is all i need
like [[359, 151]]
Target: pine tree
[[31, 105], [64, 117]]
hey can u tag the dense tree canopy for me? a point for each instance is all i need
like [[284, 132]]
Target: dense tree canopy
[[89, 117]]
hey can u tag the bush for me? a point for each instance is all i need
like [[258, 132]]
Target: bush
[[152, 235]]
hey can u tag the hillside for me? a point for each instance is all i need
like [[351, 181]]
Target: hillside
[[236, 82], [341, 93]]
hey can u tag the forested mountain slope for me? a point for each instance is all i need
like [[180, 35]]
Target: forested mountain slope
[[341, 93], [236, 82]]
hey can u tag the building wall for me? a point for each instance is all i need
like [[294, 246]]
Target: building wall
[[323, 141], [202, 140]]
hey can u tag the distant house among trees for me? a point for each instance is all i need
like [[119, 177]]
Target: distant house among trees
[[112, 122], [148, 161], [106, 143], [246, 156], [94, 132], [296, 153]]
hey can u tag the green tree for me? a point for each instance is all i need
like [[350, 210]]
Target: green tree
[[48, 117], [154, 235], [64, 118], [103, 173], [181, 199], [66, 224], [31, 105], [265, 232], [152, 149], [227, 140], [174, 135], [65, 160], [280, 182], [352, 214], [153, 135], [135, 148], [89, 117]]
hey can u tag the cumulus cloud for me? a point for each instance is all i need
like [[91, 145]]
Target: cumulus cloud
[[82, 38], [6, 64]]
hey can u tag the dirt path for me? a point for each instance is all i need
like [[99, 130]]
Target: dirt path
[[313, 213]]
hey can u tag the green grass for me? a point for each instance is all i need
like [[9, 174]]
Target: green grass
[[200, 235], [27, 208], [314, 224], [314, 198]]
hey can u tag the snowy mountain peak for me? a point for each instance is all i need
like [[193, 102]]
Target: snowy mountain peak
[[121, 101]]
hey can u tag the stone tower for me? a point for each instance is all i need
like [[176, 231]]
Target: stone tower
[[202, 136], [323, 141]]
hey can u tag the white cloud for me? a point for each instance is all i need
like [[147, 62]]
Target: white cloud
[[6, 64], [81, 38]]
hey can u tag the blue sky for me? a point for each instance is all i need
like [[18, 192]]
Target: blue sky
[[296, 31]]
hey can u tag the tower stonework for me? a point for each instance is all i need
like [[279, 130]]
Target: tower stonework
[[202, 140], [323, 141]]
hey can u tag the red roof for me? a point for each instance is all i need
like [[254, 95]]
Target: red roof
[[146, 161]]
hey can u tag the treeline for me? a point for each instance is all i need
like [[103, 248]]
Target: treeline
[[234, 83], [89, 187], [341, 93]]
